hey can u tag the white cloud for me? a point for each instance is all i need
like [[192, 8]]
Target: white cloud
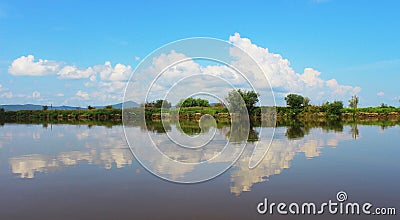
[[8, 95], [27, 66], [341, 89], [93, 77], [36, 94], [82, 95], [106, 82], [380, 93], [282, 76], [276, 68], [119, 73], [72, 72], [310, 77]]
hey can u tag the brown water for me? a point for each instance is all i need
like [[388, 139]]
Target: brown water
[[88, 172]]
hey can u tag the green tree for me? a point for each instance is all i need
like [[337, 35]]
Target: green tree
[[162, 104], [353, 102], [218, 105], [248, 98], [334, 109], [45, 107], [90, 107], [296, 102], [306, 101], [202, 102], [2, 116], [158, 104], [108, 107], [192, 102]]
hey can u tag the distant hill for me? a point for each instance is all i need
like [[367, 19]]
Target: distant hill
[[128, 104], [21, 107]]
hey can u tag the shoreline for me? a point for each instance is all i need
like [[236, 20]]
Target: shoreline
[[195, 114]]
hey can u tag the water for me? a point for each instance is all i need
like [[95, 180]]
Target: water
[[63, 171]]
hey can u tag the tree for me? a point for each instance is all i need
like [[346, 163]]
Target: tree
[[90, 107], [202, 102], [192, 102], [306, 101], [218, 105], [2, 114], [353, 102], [45, 107], [162, 104], [158, 104], [109, 107], [334, 109], [248, 98], [295, 101]]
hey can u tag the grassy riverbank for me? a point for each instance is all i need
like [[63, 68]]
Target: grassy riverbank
[[32, 115]]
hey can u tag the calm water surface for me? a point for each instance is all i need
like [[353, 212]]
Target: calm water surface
[[88, 172]]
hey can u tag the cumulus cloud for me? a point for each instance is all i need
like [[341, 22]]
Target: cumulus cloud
[[82, 95], [119, 72], [282, 76], [72, 72], [27, 66], [169, 75], [110, 84], [311, 77], [106, 82], [380, 93], [341, 89]]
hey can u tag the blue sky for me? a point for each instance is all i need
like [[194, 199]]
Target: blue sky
[[354, 42]]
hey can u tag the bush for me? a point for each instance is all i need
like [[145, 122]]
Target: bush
[[192, 102], [334, 109]]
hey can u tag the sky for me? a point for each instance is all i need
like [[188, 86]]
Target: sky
[[82, 53]]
